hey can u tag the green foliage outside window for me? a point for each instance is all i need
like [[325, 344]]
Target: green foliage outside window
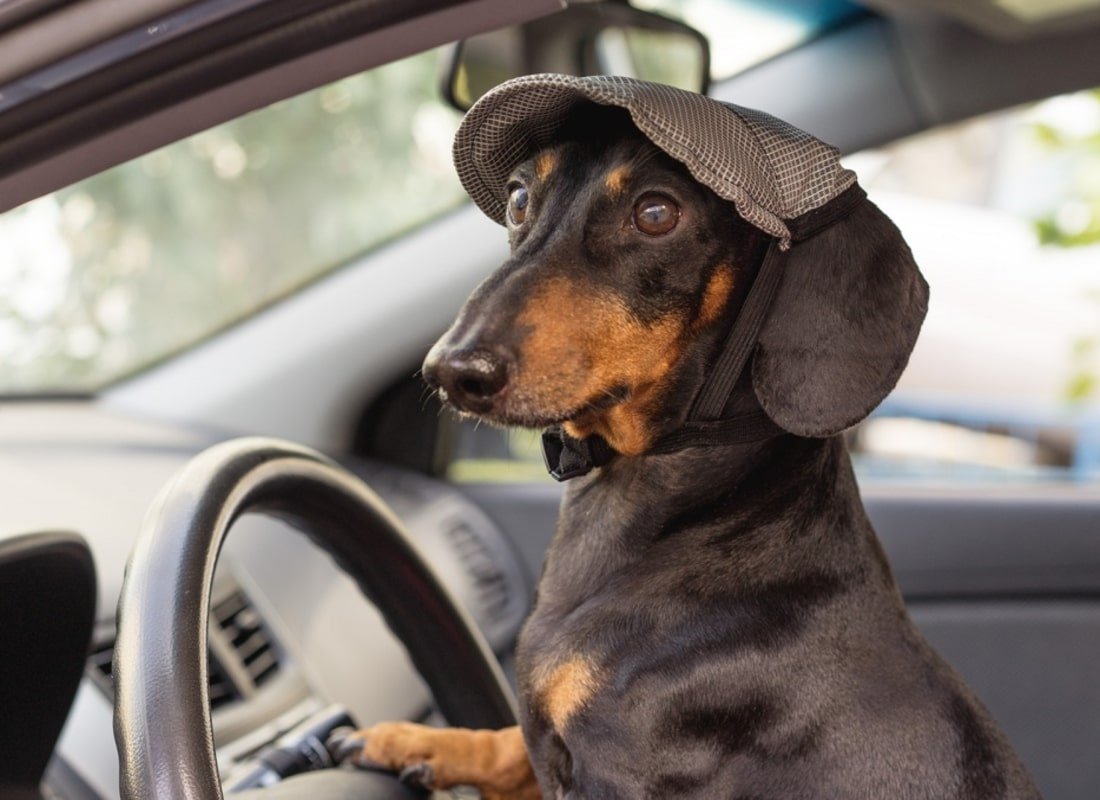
[[129, 266], [1076, 219]]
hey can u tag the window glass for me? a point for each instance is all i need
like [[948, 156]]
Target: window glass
[[127, 267], [743, 33], [1003, 215]]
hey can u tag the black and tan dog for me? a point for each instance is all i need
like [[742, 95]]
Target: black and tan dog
[[717, 621]]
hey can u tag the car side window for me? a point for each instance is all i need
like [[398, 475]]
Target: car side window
[[121, 270], [1003, 215]]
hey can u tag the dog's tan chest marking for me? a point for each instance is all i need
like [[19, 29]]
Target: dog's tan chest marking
[[545, 163], [584, 343], [567, 690]]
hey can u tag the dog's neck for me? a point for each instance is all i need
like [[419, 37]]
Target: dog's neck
[[761, 504], [653, 492]]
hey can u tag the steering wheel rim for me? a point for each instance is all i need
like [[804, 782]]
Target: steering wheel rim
[[160, 660]]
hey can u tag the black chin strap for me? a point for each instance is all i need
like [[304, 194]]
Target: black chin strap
[[567, 457], [740, 342]]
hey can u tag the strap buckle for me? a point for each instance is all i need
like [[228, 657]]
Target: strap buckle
[[567, 458]]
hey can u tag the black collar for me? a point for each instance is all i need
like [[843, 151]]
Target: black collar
[[567, 457]]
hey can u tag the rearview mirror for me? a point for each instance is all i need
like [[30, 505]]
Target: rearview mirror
[[605, 38]]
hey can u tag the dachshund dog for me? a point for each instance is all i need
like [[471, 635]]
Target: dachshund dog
[[719, 621]]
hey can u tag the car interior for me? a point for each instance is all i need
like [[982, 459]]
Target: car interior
[[238, 218]]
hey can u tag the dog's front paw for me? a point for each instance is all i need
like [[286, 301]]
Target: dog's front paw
[[420, 775], [408, 749], [441, 758]]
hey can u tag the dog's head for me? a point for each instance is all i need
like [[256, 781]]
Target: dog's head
[[625, 275], [620, 262]]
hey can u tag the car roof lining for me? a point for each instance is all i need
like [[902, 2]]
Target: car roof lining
[[880, 79], [17, 12], [996, 18]]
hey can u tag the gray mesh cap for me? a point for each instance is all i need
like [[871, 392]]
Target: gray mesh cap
[[770, 170]]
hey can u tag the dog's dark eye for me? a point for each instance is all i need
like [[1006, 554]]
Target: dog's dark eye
[[517, 205], [655, 214]]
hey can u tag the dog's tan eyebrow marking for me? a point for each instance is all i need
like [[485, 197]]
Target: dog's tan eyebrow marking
[[568, 690], [545, 163], [715, 296], [616, 179]]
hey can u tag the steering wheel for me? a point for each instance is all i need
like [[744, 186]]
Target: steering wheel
[[162, 713]]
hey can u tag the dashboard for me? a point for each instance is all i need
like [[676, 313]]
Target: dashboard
[[289, 633]]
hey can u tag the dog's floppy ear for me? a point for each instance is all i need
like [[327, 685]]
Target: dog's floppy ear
[[845, 318]]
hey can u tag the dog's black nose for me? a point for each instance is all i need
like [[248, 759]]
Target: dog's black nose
[[471, 379]]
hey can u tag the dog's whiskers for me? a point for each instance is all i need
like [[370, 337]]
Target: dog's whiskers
[[426, 396], [643, 157]]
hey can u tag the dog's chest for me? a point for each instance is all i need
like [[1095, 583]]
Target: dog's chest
[[558, 660], [559, 675], [562, 649], [586, 612]]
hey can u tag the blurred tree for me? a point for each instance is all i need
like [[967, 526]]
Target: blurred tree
[[1075, 219], [153, 255]]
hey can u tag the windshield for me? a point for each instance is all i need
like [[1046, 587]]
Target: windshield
[[121, 270]]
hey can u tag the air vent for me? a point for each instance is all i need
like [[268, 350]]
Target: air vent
[[245, 631], [477, 557], [220, 688]]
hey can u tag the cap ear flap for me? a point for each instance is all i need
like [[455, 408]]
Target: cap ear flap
[[844, 321]]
